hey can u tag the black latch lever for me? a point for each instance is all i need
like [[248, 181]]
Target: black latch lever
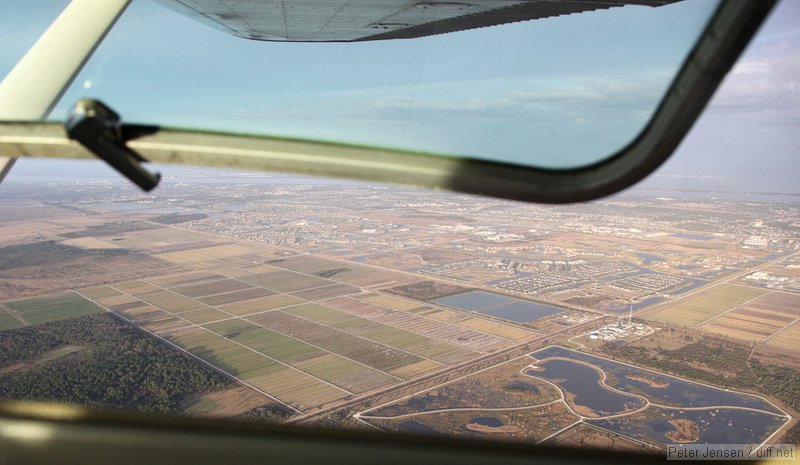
[[98, 128]]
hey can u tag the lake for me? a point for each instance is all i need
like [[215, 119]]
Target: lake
[[584, 383], [508, 308], [679, 392]]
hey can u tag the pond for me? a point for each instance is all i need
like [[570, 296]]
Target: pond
[[714, 425], [678, 392], [508, 308], [694, 237], [487, 421], [583, 382]]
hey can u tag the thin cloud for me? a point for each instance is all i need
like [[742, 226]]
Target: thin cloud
[[767, 80]]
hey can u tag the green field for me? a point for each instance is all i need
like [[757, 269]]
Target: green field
[[276, 345], [229, 328], [204, 405], [696, 310], [388, 335], [330, 367], [8, 322], [53, 308], [99, 292], [287, 384], [230, 357], [204, 315], [170, 301], [337, 341]]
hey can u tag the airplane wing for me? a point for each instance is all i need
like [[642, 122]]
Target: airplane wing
[[363, 20]]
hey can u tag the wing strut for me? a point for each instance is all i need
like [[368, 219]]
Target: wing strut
[[31, 90]]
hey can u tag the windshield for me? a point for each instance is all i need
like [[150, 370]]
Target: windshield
[[558, 92], [664, 316]]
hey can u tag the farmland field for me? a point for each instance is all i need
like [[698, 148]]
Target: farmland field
[[258, 323], [136, 287], [438, 330], [406, 310], [99, 292], [285, 281], [53, 308], [390, 302], [185, 278], [370, 353], [205, 315], [696, 310], [289, 385], [8, 322], [208, 288], [169, 301], [236, 296], [788, 338], [261, 304], [325, 292], [758, 319]]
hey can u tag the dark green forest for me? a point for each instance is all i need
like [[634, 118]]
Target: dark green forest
[[177, 218], [45, 252], [111, 364]]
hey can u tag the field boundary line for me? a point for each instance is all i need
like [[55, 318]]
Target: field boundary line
[[358, 336], [325, 350], [13, 314], [372, 267], [467, 313], [463, 409], [657, 308], [202, 328], [276, 360], [205, 362], [394, 325], [560, 431], [793, 323], [729, 310], [180, 295], [190, 324]]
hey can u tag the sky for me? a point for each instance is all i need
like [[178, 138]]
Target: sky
[[750, 131], [559, 92]]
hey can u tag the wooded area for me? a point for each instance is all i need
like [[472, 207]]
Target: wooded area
[[107, 363]]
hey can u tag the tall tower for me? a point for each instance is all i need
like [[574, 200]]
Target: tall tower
[[630, 315]]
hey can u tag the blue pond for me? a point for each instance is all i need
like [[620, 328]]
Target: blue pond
[[509, 308], [475, 300], [688, 267], [695, 237], [715, 425], [584, 382], [678, 392], [521, 311], [648, 258], [487, 421]]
